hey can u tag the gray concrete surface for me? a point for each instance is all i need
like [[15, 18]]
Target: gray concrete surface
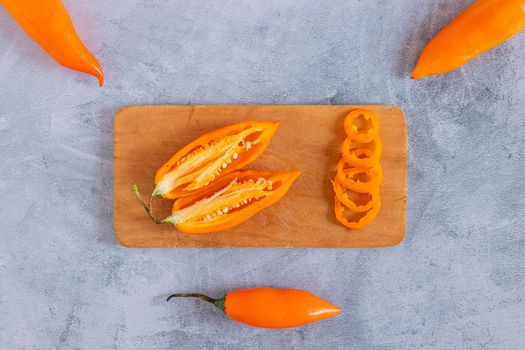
[[456, 282]]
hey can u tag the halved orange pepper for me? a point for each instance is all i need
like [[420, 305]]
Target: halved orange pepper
[[215, 153], [362, 156], [231, 200], [342, 194], [362, 221], [361, 134], [374, 176]]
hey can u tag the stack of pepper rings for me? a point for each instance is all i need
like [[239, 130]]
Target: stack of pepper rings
[[359, 173]]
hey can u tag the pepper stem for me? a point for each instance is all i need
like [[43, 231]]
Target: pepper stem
[[147, 207], [219, 303]]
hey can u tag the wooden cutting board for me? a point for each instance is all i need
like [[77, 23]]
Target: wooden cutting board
[[308, 138]]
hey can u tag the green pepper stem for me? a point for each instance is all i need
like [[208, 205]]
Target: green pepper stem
[[217, 302], [147, 207]]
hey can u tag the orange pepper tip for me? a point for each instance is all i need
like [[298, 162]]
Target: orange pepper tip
[[274, 124], [334, 310], [95, 70], [294, 174], [337, 310], [419, 73], [93, 67], [98, 73], [100, 80]]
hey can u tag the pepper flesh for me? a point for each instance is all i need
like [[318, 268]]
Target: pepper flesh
[[212, 155], [482, 26], [266, 307], [233, 199], [49, 25]]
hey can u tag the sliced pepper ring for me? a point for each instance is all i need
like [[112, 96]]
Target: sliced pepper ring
[[339, 191], [357, 134], [355, 156], [346, 176], [361, 222]]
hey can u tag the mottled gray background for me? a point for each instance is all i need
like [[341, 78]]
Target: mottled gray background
[[456, 282]]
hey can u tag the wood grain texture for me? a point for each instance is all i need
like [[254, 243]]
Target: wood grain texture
[[308, 138]]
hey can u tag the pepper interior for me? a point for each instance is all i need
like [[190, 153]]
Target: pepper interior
[[360, 199], [205, 163], [233, 198], [362, 123], [352, 146], [353, 216], [362, 153], [360, 176]]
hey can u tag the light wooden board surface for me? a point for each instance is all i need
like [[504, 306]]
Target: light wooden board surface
[[308, 138]]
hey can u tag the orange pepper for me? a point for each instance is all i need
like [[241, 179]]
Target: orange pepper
[[231, 200], [49, 25], [362, 156], [340, 194], [361, 222], [482, 26], [347, 176], [212, 155], [361, 127], [266, 307], [358, 134]]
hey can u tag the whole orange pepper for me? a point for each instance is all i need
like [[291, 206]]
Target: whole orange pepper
[[270, 307], [482, 26], [49, 25]]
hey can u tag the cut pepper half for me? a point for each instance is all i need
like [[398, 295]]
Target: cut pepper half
[[361, 180], [231, 200], [364, 156], [364, 218], [216, 153], [344, 196], [361, 125]]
